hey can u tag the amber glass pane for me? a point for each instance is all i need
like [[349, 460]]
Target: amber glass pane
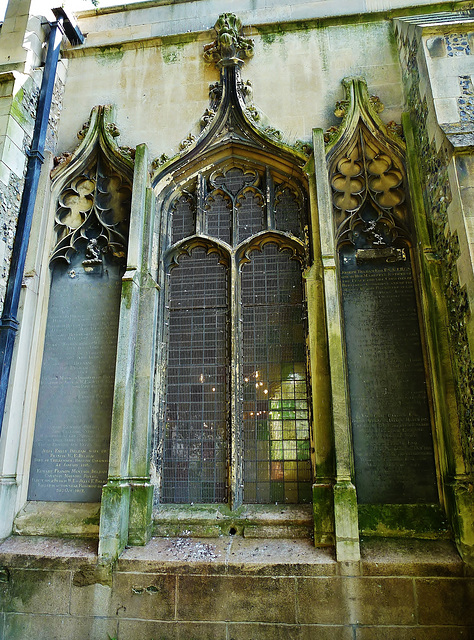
[[195, 446], [275, 410]]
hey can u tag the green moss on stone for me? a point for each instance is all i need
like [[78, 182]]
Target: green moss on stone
[[127, 288], [403, 520], [172, 53], [110, 54], [17, 110], [93, 519]]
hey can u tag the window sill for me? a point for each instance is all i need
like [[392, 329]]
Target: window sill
[[249, 521]]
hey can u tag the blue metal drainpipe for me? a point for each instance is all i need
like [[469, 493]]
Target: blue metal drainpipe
[[9, 323]]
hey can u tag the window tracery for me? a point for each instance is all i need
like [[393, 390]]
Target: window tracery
[[236, 422]]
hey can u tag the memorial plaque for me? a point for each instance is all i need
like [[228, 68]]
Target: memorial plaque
[[72, 433], [393, 448]]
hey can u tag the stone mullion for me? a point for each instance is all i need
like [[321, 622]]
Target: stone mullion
[[200, 202], [235, 374], [322, 441], [141, 499], [234, 220], [270, 199], [345, 499]]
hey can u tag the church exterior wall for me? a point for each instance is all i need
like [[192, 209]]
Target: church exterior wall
[[139, 97]]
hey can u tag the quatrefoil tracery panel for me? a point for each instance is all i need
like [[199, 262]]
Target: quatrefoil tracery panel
[[94, 207]]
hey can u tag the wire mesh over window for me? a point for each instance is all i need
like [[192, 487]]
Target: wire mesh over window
[[183, 217], [235, 205], [250, 214], [195, 445], [288, 212], [275, 413], [219, 216]]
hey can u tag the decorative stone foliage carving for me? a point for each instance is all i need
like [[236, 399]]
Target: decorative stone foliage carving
[[187, 142], [64, 158], [230, 46], [81, 134], [231, 115], [304, 147], [341, 109], [157, 162], [274, 133], [207, 117], [215, 95]]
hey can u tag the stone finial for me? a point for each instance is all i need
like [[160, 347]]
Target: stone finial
[[230, 47]]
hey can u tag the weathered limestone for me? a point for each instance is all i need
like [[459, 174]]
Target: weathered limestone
[[430, 50], [314, 69], [147, 61], [345, 501], [176, 588], [21, 39]]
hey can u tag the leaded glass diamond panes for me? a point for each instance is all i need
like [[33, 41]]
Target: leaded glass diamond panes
[[195, 445], [276, 452]]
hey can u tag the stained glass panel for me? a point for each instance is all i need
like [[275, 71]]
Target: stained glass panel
[[275, 412]]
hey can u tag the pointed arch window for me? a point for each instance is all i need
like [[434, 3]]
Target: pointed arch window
[[235, 424]]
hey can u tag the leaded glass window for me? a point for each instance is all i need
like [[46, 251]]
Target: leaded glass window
[[236, 423]]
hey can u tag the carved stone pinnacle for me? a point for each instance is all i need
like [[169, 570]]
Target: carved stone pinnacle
[[230, 47]]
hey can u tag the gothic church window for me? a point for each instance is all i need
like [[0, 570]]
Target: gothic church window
[[235, 426]]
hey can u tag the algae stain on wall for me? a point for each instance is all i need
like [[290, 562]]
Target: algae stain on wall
[[172, 53], [110, 55]]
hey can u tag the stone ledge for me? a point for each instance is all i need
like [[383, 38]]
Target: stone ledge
[[40, 552], [380, 557], [235, 555], [71, 519], [229, 555]]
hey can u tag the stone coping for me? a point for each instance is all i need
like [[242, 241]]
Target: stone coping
[[235, 555]]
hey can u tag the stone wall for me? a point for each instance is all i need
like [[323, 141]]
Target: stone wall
[[163, 103], [147, 62], [234, 589], [435, 84]]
